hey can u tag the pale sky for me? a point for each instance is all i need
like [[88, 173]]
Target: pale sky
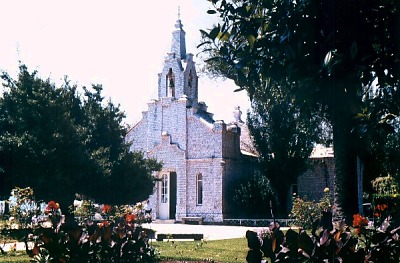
[[119, 44]]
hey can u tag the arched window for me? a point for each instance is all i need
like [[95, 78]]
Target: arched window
[[190, 78], [190, 83], [199, 183], [170, 81]]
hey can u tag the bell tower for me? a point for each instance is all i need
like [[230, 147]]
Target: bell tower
[[178, 77], [178, 40]]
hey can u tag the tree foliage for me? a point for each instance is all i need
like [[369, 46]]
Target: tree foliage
[[340, 59], [391, 156], [284, 136], [61, 143], [254, 196]]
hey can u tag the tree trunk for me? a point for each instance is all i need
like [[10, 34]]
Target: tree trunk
[[346, 165]]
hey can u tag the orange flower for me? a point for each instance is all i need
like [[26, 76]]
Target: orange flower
[[359, 221], [130, 218], [381, 207]]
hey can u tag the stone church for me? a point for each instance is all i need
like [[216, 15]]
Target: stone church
[[200, 156]]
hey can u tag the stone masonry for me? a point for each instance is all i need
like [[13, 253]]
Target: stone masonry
[[202, 157], [177, 130]]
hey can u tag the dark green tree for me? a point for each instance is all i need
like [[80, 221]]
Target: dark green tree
[[339, 56], [254, 195], [284, 136], [61, 143], [391, 156]]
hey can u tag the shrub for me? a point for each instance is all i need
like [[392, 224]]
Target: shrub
[[385, 186], [358, 243], [254, 195], [386, 200], [22, 205], [120, 240], [306, 213], [87, 210]]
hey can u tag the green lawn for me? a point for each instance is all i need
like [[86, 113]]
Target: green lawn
[[224, 251], [19, 257], [230, 250]]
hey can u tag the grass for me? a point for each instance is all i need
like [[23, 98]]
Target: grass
[[223, 251], [19, 257], [226, 251]]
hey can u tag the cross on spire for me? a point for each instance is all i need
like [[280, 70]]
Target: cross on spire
[[178, 38]]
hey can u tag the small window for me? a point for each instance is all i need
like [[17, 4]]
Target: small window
[[199, 189], [164, 189]]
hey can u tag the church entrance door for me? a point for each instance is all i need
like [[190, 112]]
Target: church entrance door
[[167, 196]]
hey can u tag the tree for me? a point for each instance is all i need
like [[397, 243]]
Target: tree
[[284, 136], [58, 143], [391, 156], [253, 196], [339, 55]]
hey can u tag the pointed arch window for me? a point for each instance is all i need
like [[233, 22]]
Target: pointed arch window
[[190, 82], [199, 189], [170, 82], [190, 79]]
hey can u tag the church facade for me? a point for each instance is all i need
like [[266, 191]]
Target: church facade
[[200, 156]]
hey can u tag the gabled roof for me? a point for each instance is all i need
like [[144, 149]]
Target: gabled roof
[[321, 151]]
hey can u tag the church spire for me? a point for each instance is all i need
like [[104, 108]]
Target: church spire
[[178, 39], [178, 78]]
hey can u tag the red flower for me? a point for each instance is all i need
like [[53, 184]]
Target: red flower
[[359, 221], [381, 207], [104, 224], [106, 209], [130, 218], [52, 206]]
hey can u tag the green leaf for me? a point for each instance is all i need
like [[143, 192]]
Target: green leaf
[[223, 36], [214, 33], [251, 39], [328, 57]]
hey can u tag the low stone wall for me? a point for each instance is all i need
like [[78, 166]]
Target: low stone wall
[[257, 222]]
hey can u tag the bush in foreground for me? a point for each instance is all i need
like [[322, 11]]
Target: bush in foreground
[[360, 243], [120, 240]]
